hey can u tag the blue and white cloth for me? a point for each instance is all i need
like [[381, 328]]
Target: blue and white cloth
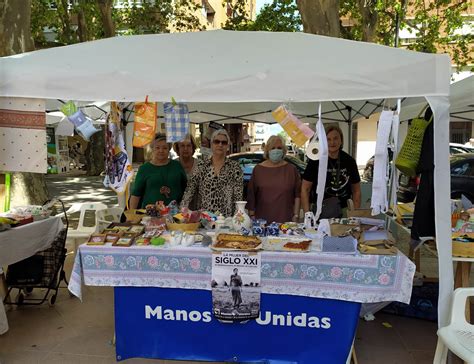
[[177, 121]]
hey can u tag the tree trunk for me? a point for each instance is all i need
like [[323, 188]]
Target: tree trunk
[[94, 154], [105, 8], [82, 30], [320, 16], [66, 21], [15, 37], [369, 19], [15, 29], [28, 189]]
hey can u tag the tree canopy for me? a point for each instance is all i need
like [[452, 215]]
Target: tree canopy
[[436, 26], [86, 20]]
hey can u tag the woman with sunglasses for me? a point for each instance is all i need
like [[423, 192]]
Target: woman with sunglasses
[[160, 179], [275, 186], [217, 181]]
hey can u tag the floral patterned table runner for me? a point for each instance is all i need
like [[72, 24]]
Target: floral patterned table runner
[[359, 278]]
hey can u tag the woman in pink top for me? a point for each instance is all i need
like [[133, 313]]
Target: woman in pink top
[[274, 189]]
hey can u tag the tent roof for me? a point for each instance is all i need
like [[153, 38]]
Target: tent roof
[[461, 100], [224, 66]]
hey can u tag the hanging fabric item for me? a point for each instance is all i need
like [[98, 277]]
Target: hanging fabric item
[[23, 135], [409, 156], [118, 168], [395, 149], [323, 164], [379, 202], [82, 123], [296, 130], [144, 125], [176, 120]]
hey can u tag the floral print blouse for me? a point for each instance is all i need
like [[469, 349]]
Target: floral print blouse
[[215, 193]]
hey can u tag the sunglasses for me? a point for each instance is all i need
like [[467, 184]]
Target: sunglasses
[[222, 142]]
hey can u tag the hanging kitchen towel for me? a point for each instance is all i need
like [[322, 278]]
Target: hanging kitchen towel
[[379, 202], [23, 135], [82, 123], [176, 120], [395, 149], [323, 164], [118, 169], [144, 125], [296, 130]]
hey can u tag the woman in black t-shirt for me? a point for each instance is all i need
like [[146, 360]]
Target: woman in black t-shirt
[[342, 181]]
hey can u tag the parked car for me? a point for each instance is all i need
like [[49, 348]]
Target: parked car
[[462, 179], [455, 148], [248, 161], [462, 175]]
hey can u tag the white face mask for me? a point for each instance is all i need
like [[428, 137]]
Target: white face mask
[[275, 155]]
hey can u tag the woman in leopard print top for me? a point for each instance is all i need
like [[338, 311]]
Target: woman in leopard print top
[[217, 181]]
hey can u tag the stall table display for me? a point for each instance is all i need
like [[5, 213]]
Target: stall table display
[[22, 242], [154, 285]]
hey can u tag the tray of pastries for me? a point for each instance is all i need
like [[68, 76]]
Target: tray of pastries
[[287, 244], [236, 242]]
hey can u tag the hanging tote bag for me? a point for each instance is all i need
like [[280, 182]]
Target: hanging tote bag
[[409, 156]]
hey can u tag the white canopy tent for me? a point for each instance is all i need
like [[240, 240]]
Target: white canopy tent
[[223, 72]]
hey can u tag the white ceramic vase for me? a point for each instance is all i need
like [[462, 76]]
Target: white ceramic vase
[[241, 219]]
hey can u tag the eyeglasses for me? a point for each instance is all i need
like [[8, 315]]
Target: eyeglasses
[[217, 141]]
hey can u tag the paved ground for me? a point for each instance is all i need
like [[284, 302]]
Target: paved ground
[[81, 332], [80, 188]]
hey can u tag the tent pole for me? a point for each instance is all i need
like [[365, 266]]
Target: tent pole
[[6, 205]]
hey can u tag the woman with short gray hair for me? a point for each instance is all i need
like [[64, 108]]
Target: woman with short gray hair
[[217, 181]]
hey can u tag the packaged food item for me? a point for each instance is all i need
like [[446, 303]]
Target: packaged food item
[[258, 227], [273, 229]]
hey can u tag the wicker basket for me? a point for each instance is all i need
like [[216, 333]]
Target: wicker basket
[[360, 213], [134, 216], [462, 249], [184, 227]]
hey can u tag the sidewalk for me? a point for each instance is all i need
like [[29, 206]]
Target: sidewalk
[[77, 187]]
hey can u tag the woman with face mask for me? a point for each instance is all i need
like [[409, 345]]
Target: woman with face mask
[[274, 188]]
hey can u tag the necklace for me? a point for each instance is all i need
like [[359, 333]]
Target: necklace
[[165, 190]]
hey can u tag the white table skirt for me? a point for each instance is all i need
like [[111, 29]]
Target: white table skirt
[[22, 242]]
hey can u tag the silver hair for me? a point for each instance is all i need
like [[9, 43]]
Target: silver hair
[[271, 142], [220, 132]]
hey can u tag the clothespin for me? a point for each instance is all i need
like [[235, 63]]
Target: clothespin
[[146, 99], [173, 101]]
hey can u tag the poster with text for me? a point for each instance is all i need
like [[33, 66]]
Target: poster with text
[[236, 285]]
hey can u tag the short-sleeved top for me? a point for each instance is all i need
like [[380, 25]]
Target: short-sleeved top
[[272, 191], [215, 193], [151, 178], [348, 175]]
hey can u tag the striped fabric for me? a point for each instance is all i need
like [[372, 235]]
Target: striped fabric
[[23, 135]]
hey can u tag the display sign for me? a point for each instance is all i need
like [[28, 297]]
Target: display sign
[[178, 324], [236, 285]]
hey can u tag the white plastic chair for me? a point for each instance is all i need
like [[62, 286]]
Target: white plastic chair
[[106, 216], [458, 336], [87, 222]]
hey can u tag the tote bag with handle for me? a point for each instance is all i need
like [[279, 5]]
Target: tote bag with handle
[[409, 156]]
